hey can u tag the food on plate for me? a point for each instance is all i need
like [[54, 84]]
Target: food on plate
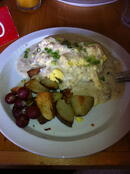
[[15, 89], [67, 94], [35, 86], [86, 67], [66, 76], [81, 104], [49, 83], [57, 96], [22, 121], [20, 98], [10, 98], [33, 72], [65, 112], [42, 120], [23, 93], [33, 112], [44, 101]]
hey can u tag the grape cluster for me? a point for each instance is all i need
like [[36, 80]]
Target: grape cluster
[[24, 107]]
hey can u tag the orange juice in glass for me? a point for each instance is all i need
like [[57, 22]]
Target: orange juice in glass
[[26, 5]]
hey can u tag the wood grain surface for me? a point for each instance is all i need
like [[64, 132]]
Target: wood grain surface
[[103, 19]]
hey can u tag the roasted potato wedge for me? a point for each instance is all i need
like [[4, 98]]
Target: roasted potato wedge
[[35, 86], [15, 89], [49, 83], [33, 72], [57, 96], [44, 102], [82, 104], [65, 112]]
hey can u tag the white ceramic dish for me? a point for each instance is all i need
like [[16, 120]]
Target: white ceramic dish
[[87, 3], [111, 119]]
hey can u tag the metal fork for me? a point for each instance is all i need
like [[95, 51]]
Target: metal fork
[[122, 76]]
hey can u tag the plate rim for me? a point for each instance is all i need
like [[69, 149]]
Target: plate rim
[[3, 131], [70, 2]]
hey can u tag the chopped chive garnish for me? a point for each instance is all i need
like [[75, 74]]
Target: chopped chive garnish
[[92, 60], [78, 46], [26, 53], [48, 50], [54, 54]]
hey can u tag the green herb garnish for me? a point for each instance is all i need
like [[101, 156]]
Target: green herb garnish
[[26, 53], [48, 50], [92, 60], [54, 54]]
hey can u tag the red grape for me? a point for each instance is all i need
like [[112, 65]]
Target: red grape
[[20, 103], [17, 112], [22, 121], [10, 98], [23, 93], [33, 112]]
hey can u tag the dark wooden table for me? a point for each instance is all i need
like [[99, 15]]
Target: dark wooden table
[[103, 19]]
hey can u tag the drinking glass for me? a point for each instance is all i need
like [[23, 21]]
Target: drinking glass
[[28, 5]]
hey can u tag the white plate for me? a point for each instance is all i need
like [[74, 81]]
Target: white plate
[[111, 119], [87, 3]]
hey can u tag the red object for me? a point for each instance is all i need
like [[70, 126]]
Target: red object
[[8, 30]]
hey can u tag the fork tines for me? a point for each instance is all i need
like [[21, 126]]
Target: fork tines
[[123, 76]]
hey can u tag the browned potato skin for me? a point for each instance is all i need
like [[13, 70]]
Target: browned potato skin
[[82, 104], [15, 89], [33, 72], [35, 86], [44, 101], [42, 120], [69, 124], [67, 94]]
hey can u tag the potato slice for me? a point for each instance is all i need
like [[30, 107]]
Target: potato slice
[[35, 86], [44, 102], [65, 112], [49, 83], [82, 104], [33, 72], [15, 89]]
